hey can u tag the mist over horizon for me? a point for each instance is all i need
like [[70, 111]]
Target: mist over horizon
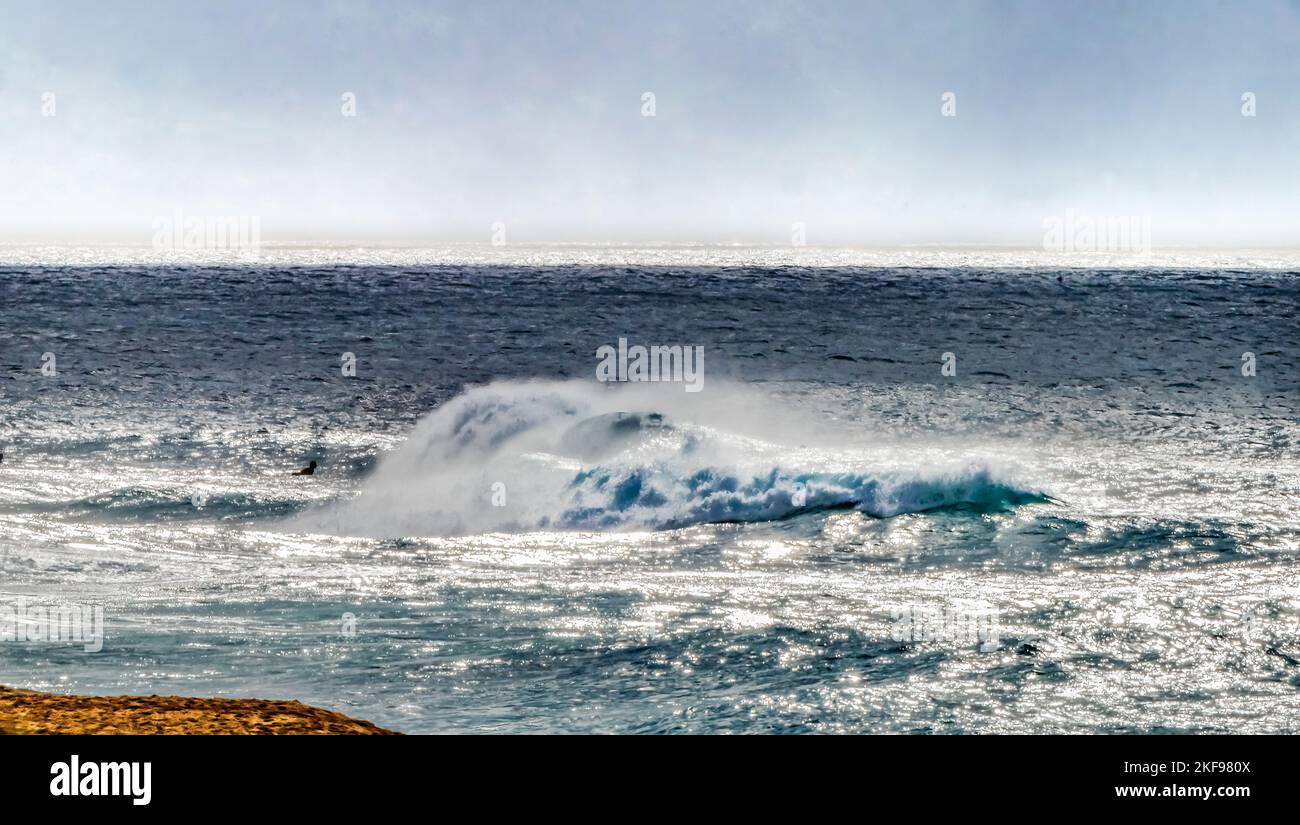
[[766, 115]]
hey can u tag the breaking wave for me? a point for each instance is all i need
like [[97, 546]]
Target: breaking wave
[[521, 456]]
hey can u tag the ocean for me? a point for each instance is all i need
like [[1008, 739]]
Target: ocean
[[901, 492]]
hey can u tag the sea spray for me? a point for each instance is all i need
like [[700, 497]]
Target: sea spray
[[523, 456]]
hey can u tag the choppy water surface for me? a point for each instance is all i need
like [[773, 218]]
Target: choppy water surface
[[1092, 526]]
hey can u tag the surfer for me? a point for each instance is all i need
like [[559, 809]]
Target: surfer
[[310, 469]]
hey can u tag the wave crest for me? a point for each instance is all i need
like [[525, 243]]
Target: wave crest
[[518, 456]]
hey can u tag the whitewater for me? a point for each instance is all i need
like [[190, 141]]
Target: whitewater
[[519, 456]]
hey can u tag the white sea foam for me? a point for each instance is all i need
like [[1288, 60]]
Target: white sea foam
[[517, 456]]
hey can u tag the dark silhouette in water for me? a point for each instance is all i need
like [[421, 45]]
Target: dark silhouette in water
[[310, 469]]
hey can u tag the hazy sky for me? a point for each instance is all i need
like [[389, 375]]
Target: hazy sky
[[767, 113]]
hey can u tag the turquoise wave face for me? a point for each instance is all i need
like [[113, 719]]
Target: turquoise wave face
[[649, 497]]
